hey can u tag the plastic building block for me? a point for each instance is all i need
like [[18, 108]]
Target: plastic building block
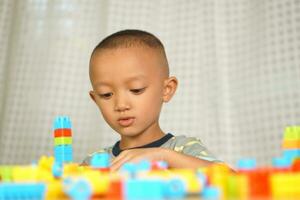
[[100, 160], [296, 165], [63, 132], [62, 141], [285, 185], [291, 154], [63, 153], [6, 173], [57, 169], [115, 190], [237, 186], [22, 190], [159, 165], [146, 189], [175, 189], [246, 164], [281, 162], [78, 189], [211, 193], [62, 122]]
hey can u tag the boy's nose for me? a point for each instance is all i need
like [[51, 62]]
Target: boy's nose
[[121, 104]]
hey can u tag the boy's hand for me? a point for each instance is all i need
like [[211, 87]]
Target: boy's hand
[[136, 155]]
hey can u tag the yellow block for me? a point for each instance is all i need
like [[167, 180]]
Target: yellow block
[[285, 185], [55, 190], [62, 140], [99, 181], [237, 186]]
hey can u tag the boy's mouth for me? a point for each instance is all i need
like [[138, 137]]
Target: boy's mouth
[[126, 121]]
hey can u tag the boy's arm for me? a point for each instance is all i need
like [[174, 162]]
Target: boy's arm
[[173, 158]]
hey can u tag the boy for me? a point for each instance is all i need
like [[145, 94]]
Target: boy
[[129, 74]]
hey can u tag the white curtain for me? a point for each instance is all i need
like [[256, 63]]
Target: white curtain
[[237, 61]]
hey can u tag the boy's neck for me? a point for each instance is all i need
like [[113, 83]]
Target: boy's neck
[[141, 139]]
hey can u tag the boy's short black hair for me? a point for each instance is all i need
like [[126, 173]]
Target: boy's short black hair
[[133, 38], [130, 38]]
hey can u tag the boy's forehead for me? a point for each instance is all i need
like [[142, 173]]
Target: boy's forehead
[[134, 58]]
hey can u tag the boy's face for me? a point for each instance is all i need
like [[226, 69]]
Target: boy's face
[[129, 87]]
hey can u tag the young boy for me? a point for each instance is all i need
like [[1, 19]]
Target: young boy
[[129, 74]]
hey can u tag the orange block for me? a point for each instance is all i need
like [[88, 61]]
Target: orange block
[[63, 132], [291, 144]]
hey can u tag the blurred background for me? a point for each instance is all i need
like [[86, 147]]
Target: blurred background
[[237, 61]]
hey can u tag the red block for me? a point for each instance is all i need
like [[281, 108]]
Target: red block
[[63, 132], [296, 165], [258, 181], [115, 190]]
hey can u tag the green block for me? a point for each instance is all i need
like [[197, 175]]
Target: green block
[[5, 173], [292, 133], [62, 140]]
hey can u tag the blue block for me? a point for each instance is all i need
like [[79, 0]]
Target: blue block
[[77, 189], [246, 164], [175, 189], [100, 160], [62, 122], [57, 169], [211, 193], [61, 149], [22, 190], [143, 165], [281, 162], [291, 154], [151, 189], [64, 158]]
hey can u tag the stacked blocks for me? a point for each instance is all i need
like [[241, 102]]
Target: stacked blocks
[[63, 151], [291, 143]]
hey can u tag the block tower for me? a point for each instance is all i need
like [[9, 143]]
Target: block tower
[[63, 152], [291, 143]]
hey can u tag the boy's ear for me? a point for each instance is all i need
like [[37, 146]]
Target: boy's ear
[[92, 95], [170, 86]]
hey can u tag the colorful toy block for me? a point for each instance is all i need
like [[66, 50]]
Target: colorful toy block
[[63, 151], [22, 191], [59, 178], [100, 160]]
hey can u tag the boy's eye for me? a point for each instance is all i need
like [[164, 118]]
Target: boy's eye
[[138, 91], [105, 96]]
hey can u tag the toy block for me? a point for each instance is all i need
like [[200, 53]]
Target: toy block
[[237, 186], [291, 153], [6, 173], [79, 189], [246, 164], [292, 133], [146, 189], [281, 163], [296, 165], [55, 190], [100, 160], [24, 173], [189, 177], [285, 185], [115, 190], [62, 141], [258, 183], [175, 189], [291, 144], [99, 181], [211, 193], [63, 132], [159, 165], [22, 190], [62, 122], [57, 170]]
